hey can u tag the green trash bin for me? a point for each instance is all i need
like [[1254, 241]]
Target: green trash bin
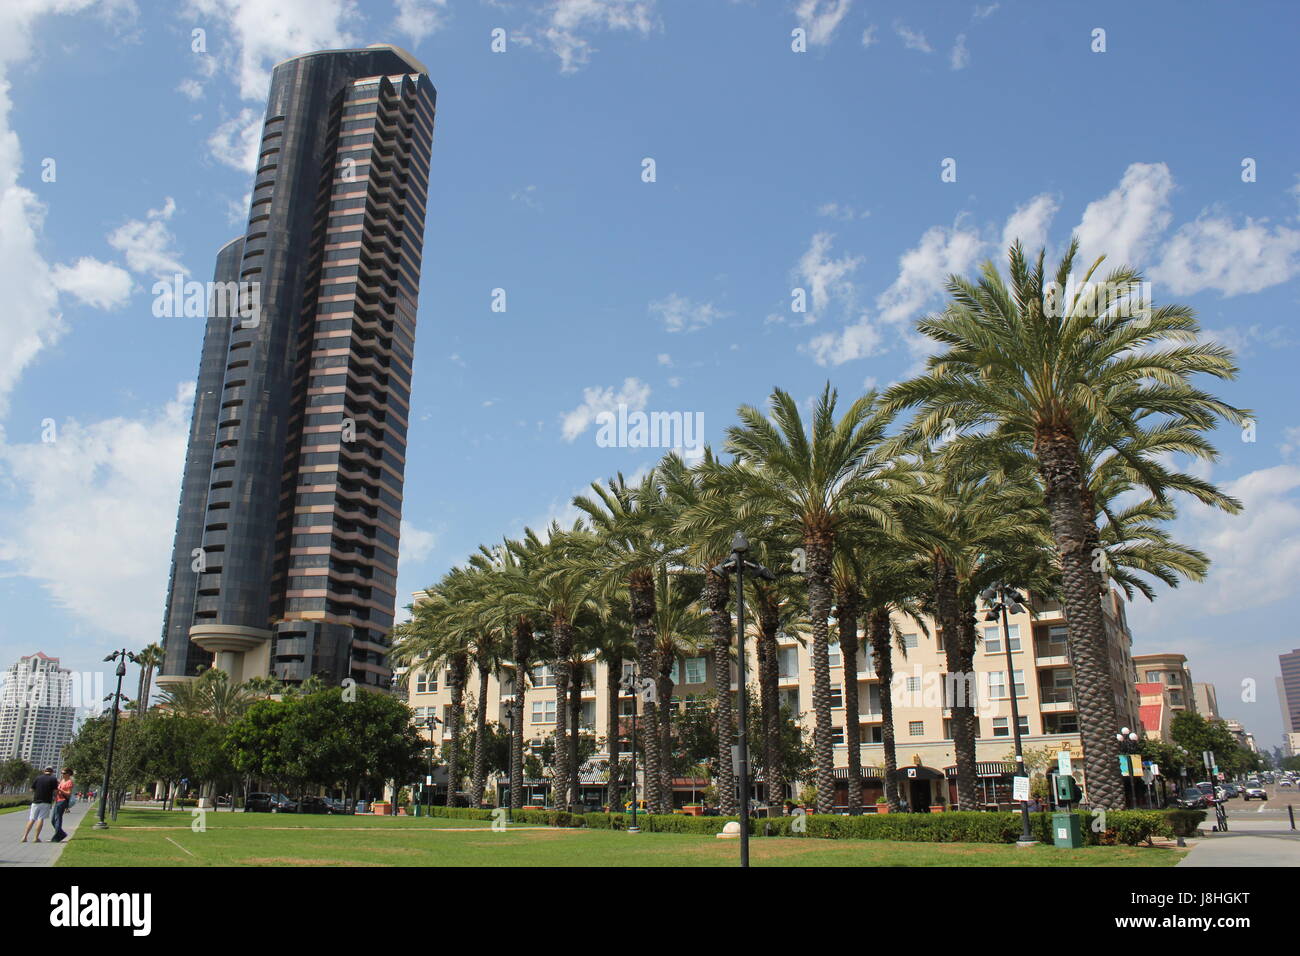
[[1066, 831]]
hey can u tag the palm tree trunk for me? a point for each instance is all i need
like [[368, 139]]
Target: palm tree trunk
[[818, 548], [964, 721], [612, 726], [715, 599], [1058, 462], [563, 634], [847, 614], [458, 669], [575, 731], [480, 731], [769, 694], [883, 653], [641, 586], [948, 618], [664, 689], [522, 636]]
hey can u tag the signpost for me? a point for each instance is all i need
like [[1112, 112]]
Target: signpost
[[1020, 789], [1063, 764]]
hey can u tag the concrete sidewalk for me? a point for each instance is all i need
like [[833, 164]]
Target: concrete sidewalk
[[1248, 842], [13, 853]]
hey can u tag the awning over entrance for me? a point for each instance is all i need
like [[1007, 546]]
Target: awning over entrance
[[985, 769], [916, 773], [868, 773]]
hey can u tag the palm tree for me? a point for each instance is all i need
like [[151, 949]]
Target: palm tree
[[680, 631], [558, 589], [149, 659], [846, 576], [1043, 377], [815, 482], [629, 526]]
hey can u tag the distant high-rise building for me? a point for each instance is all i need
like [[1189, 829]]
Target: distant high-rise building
[[285, 557], [36, 711], [1288, 691], [1207, 701]]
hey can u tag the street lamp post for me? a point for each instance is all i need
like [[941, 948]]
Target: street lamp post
[[1127, 741], [633, 684], [121, 657], [737, 564], [432, 723], [510, 759], [1000, 599]]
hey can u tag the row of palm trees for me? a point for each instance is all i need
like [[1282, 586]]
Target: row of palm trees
[[1037, 448]]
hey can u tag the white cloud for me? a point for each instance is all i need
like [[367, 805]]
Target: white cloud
[[416, 544], [680, 314], [824, 277], [665, 360], [821, 18], [417, 19], [1029, 223], [982, 12], [94, 283], [263, 34], [869, 35], [190, 87], [959, 58], [925, 268], [235, 142], [633, 393], [1211, 253], [108, 488], [862, 339], [1124, 224], [1256, 554], [146, 243], [912, 39], [566, 22], [834, 210], [30, 320]]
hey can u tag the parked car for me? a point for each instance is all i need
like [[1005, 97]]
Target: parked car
[[1193, 799], [317, 805], [1230, 791], [1254, 793], [1288, 783], [269, 803]]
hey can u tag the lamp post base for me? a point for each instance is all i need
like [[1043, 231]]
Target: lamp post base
[[633, 829], [1021, 844]]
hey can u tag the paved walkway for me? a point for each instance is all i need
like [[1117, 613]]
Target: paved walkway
[[13, 853], [1248, 842]]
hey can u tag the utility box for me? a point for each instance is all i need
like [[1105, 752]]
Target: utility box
[[1066, 831]]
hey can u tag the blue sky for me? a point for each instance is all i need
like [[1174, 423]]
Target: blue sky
[[774, 170]]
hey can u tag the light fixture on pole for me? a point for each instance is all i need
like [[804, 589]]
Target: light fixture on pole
[[633, 683], [1000, 600], [121, 657], [1127, 741], [736, 564]]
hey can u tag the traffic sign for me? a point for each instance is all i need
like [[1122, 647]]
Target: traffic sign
[[1063, 763]]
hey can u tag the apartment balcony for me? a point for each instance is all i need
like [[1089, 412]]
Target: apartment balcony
[[1051, 654], [786, 680], [1056, 700]]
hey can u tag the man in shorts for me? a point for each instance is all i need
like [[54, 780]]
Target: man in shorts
[[43, 790]]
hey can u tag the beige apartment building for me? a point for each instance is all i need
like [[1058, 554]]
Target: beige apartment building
[[1170, 670], [1043, 681]]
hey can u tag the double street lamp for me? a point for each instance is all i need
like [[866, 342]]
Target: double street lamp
[[737, 565], [121, 657], [633, 683], [1000, 599], [1127, 744]]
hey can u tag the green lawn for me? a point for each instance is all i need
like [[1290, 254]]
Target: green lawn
[[158, 838]]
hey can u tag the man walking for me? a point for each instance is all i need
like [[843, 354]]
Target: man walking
[[62, 801], [43, 788]]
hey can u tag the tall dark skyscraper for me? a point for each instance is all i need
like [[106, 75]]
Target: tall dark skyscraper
[[285, 558]]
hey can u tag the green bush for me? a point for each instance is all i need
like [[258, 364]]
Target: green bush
[[1129, 827], [1184, 823]]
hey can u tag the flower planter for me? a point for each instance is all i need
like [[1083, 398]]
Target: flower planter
[[882, 808], [693, 810], [379, 809], [938, 809]]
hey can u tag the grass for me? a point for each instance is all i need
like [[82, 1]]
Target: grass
[[161, 838], [15, 808]]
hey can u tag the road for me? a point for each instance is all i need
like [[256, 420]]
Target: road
[[13, 853], [1259, 834]]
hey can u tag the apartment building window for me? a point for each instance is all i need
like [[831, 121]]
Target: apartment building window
[[1002, 726], [833, 655], [543, 711], [626, 708], [587, 720], [913, 684], [837, 736], [1155, 677], [867, 663], [873, 699], [544, 676], [1060, 723], [873, 734], [1175, 679], [909, 641], [426, 682], [837, 696], [695, 670], [916, 728], [788, 663], [789, 698], [998, 684], [993, 638]]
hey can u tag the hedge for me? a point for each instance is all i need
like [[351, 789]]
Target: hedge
[[1129, 827]]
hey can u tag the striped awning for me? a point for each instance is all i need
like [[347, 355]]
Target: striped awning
[[991, 768], [868, 773]]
